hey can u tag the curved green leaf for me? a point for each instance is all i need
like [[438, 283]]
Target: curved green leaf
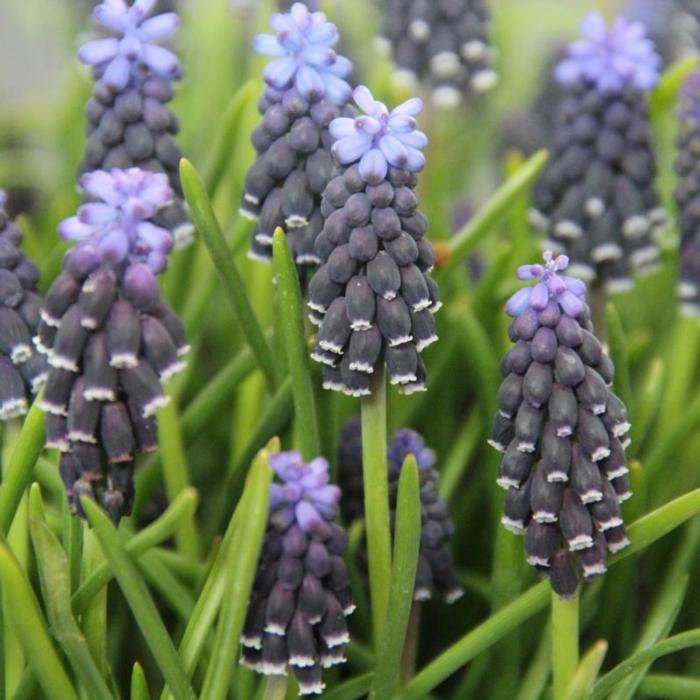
[[403, 581], [205, 220], [139, 599], [292, 321]]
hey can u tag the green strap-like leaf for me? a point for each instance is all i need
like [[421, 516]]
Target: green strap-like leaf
[[670, 687], [642, 533], [353, 689], [151, 536], [292, 321], [18, 474], [139, 599], [241, 565], [403, 581], [29, 626], [618, 354], [587, 672], [139, 685], [54, 576], [226, 134], [205, 220], [494, 210]]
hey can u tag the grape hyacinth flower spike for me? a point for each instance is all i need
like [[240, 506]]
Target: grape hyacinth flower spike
[[129, 123], [686, 195], [597, 199], [110, 339], [373, 296], [306, 90], [562, 431], [22, 369], [443, 43], [301, 595]]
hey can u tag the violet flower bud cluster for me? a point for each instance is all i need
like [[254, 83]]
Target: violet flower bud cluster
[[597, 199], [22, 369], [301, 595], [444, 43], [305, 91], [436, 572], [562, 431], [129, 123], [373, 296], [111, 341], [687, 194]]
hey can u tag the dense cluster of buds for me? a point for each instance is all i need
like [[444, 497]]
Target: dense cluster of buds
[[129, 123], [444, 43], [301, 595], [22, 369], [436, 572], [305, 91], [373, 296], [562, 431], [597, 199], [110, 339], [687, 194]]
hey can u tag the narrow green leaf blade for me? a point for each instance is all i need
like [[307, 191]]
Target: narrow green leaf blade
[[292, 321], [29, 626], [139, 684], [54, 576], [139, 599], [495, 209], [28, 447], [403, 580], [154, 534], [241, 565], [205, 220], [585, 676], [618, 354], [226, 135], [657, 685]]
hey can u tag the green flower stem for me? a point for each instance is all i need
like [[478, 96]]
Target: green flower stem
[[376, 488], [94, 617], [29, 625], [494, 210], [139, 599], [565, 654], [175, 474], [151, 536], [27, 449], [642, 533], [292, 320], [205, 220]]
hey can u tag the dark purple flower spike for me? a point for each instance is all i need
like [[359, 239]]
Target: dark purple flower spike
[[22, 369], [373, 296], [306, 89], [686, 195], [129, 124], [444, 44], [111, 341], [301, 595], [436, 572], [562, 432], [597, 199]]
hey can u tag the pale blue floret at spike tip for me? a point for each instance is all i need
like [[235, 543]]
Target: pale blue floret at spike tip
[[612, 59], [136, 33], [379, 138], [117, 227], [303, 55], [568, 292]]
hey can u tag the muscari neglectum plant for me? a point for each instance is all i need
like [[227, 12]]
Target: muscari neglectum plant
[[235, 560]]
